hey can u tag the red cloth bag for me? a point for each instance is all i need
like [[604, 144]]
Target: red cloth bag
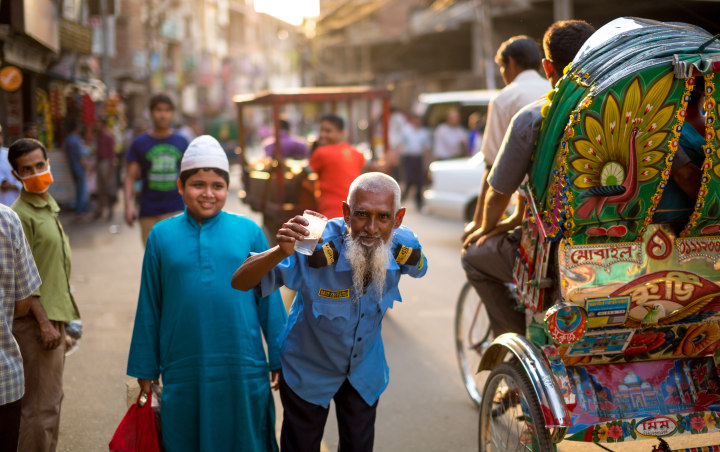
[[137, 431]]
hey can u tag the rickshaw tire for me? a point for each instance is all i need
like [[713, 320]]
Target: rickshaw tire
[[512, 369]]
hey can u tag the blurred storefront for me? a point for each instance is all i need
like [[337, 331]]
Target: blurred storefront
[[51, 74]]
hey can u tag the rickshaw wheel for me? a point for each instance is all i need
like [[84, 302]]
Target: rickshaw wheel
[[510, 414], [472, 337]]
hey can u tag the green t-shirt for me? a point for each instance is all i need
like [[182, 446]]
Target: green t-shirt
[[51, 250]]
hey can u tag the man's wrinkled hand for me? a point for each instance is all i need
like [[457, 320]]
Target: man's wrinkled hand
[[293, 230], [50, 336]]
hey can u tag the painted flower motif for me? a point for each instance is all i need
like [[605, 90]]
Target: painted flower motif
[[697, 422], [710, 421], [615, 431], [611, 133], [602, 433], [685, 421], [700, 373], [712, 385]]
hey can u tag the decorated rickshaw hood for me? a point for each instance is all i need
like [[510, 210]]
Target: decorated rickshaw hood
[[612, 127]]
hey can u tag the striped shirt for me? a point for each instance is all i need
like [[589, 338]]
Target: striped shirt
[[19, 278]]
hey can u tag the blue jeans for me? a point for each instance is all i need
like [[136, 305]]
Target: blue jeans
[[82, 197]]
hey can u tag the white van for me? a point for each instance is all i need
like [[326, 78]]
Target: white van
[[457, 182]]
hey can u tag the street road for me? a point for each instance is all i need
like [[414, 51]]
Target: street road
[[425, 407]]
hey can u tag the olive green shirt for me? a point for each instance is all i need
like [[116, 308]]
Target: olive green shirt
[[51, 250]]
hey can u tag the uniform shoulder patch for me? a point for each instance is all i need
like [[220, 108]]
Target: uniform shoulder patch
[[323, 256], [407, 256]]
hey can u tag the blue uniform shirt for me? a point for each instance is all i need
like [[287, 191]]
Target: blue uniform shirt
[[331, 335]]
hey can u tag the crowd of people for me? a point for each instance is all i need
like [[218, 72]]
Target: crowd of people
[[221, 346], [210, 322]]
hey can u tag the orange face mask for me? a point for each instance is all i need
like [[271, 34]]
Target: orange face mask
[[38, 183]]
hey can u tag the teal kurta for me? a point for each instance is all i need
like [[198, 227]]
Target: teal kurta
[[205, 337]]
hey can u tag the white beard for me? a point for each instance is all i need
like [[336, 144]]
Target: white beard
[[367, 265]]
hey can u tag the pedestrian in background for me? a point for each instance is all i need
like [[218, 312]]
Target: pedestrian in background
[[332, 347], [476, 125], [291, 147], [105, 170], [450, 139], [336, 163], [519, 59], [41, 335], [414, 147], [9, 186], [396, 125], [154, 158], [204, 337], [77, 155], [19, 280]]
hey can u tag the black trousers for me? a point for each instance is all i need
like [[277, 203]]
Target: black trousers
[[414, 176], [304, 422], [10, 425]]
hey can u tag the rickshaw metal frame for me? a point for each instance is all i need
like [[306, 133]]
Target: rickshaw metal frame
[[541, 376]]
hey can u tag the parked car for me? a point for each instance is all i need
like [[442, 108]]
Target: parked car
[[455, 187], [455, 183]]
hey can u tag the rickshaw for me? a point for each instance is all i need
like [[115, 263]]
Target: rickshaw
[[282, 188], [623, 314]]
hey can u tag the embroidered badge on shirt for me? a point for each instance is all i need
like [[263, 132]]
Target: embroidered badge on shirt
[[334, 294]]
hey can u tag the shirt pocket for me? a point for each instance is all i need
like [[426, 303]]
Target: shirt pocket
[[335, 316]]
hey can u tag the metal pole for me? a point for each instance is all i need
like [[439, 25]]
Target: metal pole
[[385, 124], [105, 44], [483, 18]]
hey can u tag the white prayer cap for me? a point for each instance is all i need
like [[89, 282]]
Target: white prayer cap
[[204, 152]]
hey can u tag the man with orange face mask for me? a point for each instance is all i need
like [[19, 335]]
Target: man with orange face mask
[[41, 334]]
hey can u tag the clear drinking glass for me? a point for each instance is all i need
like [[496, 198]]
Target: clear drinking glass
[[317, 225]]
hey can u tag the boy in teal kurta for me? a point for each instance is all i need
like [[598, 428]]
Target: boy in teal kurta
[[191, 327]]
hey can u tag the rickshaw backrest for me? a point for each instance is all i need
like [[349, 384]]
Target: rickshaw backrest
[[612, 128]]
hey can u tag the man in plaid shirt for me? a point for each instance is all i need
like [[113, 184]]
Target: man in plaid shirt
[[18, 280]]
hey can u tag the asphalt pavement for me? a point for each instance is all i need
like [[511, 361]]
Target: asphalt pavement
[[425, 407]]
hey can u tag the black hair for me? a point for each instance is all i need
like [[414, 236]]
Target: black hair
[[185, 175], [24, 146], [522, 49], [161, 99], [284, 125], [563, 39], [333, 119]]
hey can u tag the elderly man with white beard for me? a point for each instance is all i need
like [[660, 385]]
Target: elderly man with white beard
[[332, 347]]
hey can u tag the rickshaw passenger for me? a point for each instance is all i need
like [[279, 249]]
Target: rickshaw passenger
[[680, 194], [488, 262]]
